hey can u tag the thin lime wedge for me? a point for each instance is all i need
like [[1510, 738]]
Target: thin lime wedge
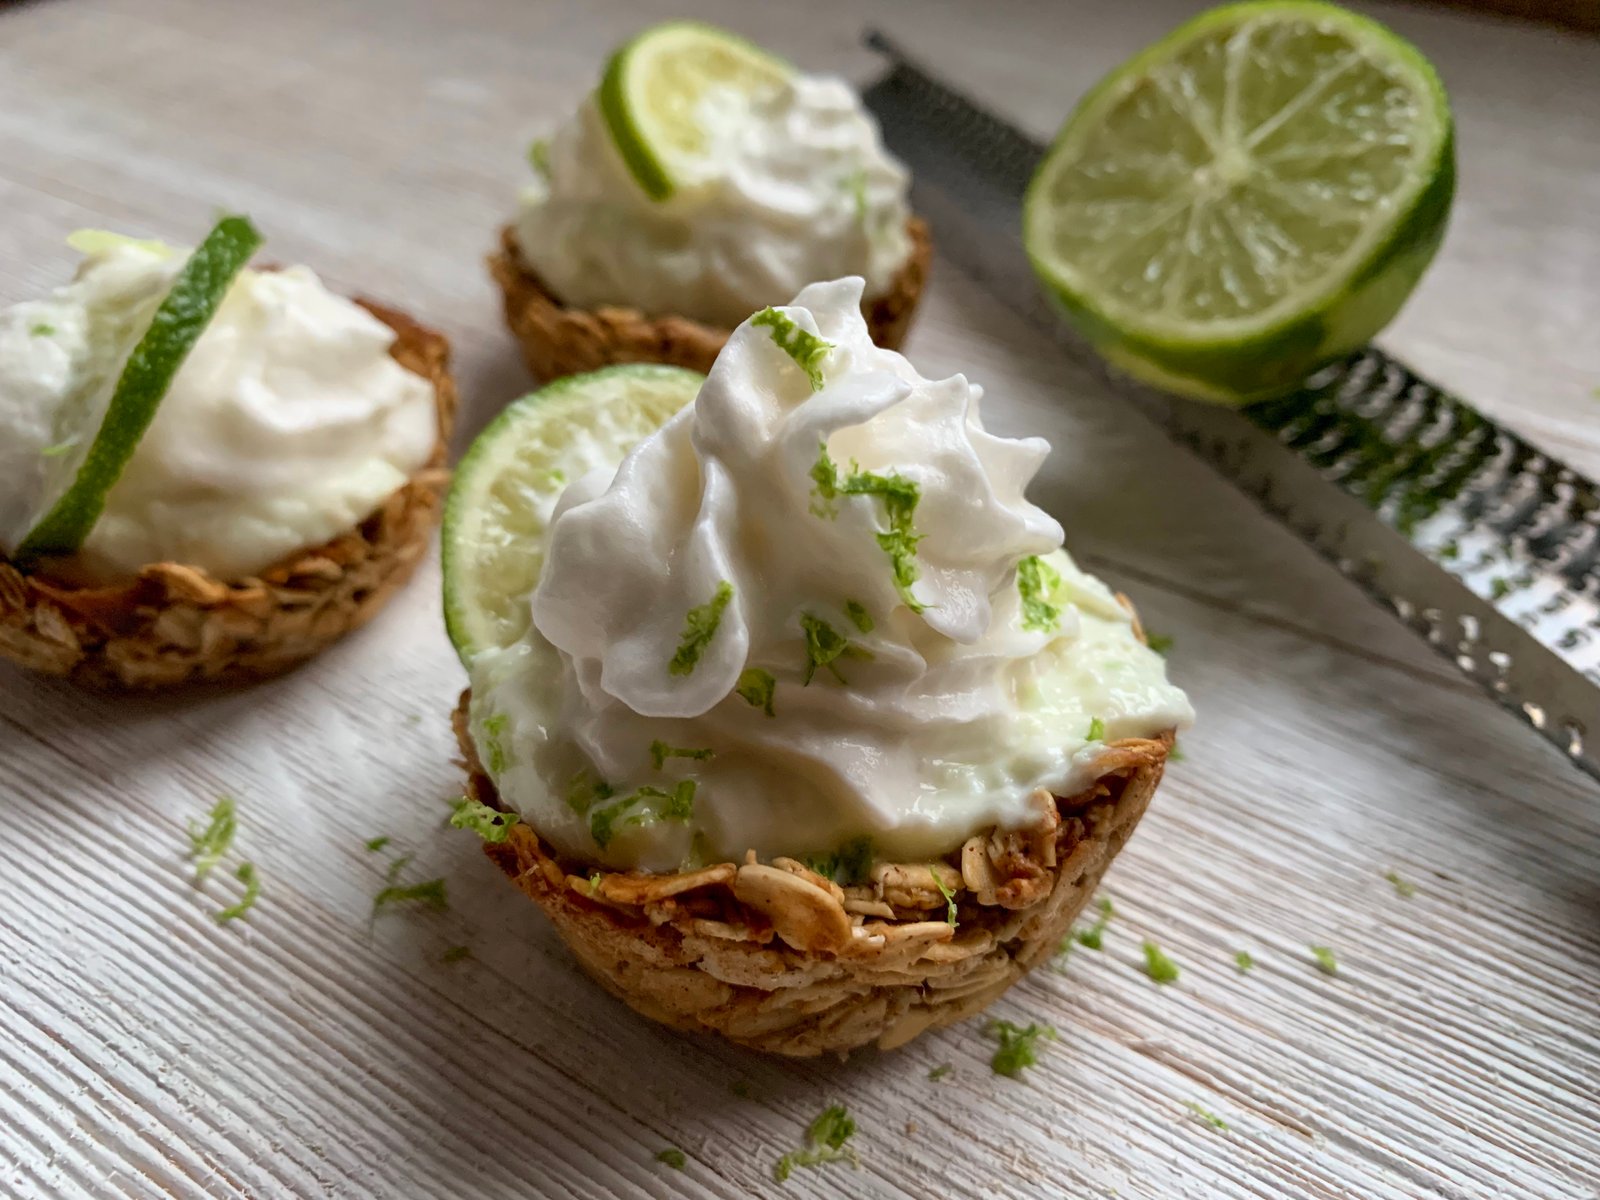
[[506, 487], [180, 319], [652, 91], [1251, 197]]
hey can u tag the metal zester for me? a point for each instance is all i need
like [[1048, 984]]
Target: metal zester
[[1482, 544]]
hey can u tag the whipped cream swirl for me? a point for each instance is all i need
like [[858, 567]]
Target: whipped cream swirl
[[815, 606], [794, 186], [287, 424]]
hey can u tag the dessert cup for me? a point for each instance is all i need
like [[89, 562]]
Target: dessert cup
[[174, 624], [558, 340], [774, 957]]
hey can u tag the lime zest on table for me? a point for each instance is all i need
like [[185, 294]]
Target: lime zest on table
[[245, 874], [1251, 197], [1157, 965], [1403, 888], [672, 1157], [1244, 961], [651, 92], [1093, 938], [1206, 1116], [209, 842], [375, 844], [825, 1143], [455, 954], [179, 320], [1326, 962], [1018, 1045]]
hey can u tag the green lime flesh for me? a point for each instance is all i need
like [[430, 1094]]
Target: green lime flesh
[[180, 319], [1253, 196], [498, 511], [651, 91]]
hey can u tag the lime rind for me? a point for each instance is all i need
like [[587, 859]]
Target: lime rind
[[179, 320], [498, 510], [1272, 349], [645, 126]]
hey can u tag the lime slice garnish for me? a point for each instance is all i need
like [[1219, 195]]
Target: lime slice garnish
[[182, 316], [506, 487], [652, 91], [1249, 198]]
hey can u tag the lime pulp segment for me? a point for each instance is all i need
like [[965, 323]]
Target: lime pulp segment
[[652, 89], [1255, 193], [181, 318], [498, 511]]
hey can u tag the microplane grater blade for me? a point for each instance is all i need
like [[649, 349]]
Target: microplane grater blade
[[1481, 543]]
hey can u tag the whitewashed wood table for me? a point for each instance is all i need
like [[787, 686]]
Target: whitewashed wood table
[[146, 1051]]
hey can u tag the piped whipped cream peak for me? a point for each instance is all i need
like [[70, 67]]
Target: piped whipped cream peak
[[287, 424], [823, 582], [814, 471], [795, 185]]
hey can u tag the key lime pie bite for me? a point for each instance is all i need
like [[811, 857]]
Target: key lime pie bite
[[786, 705], [207, 472], [702, 180]]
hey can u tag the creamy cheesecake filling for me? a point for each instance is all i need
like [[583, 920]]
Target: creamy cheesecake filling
[[815, 607]]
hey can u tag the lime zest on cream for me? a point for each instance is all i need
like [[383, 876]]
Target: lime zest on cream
[[1157, 965], [585, 790], [1325, 960], [699, 627], [900, 497], [1017, 1045], [676, 805], [42, 330], [824, 644], [245, 874], [949, 897], [660, 752], [490, 824], [58, 449], [1097, 731], [859, 616], [1037, 581], [806, 348], [1244, 961], [756, 688], [494, 728], [825, 1143], [208, 843]]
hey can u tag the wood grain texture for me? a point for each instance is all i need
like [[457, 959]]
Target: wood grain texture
[[314, 1051]]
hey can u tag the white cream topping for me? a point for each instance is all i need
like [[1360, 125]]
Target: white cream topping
[[287, 424], [796, 186], [939, 723]]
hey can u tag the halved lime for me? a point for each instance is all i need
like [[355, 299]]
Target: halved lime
[[178, 322], [652, 91], [1251, 197], [506, 487]]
